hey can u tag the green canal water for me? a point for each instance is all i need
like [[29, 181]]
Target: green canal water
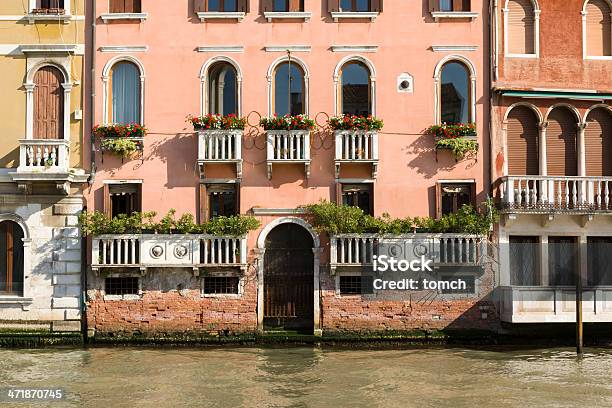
[[312, 377]]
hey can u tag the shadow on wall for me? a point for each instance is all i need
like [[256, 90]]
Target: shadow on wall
[[423, 158], [11, 159], [180, 155]]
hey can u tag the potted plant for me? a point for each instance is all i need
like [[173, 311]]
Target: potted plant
[[355, 123], [459, 138], [121, 139]]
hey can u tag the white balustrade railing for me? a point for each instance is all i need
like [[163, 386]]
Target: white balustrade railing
[[36, 155], [288, 145], [163, 250], [557, 192], [446, 249], [219, 145], [358, 145]]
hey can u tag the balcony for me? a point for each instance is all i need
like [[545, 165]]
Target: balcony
[[537, 304], [45, 160], [168, 251], [550, 194], [220, 146], [356, 146], [288, 147], [357, 250]]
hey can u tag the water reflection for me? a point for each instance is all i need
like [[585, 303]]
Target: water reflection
[[313, 377]]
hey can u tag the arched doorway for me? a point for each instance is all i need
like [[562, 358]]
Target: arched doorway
[[288, 279]]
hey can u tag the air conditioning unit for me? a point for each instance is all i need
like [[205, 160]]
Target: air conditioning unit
[[409, 248]]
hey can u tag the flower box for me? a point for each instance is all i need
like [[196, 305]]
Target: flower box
[[121, 139], [355, 122], [217, 122]]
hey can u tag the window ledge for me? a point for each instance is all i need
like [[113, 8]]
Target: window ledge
[[599, 57], [15, 300], [437, 15], [337, 15], [124, 16], [270, 15], [213, 15], [32, 18], [222, 295], [121, 297]]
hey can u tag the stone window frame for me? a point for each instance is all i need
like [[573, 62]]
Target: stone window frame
[[472, 77], [338, 81], [123, 297], [536, 31], [204, 78], [337, 285], [584, 14], [26, 299], [64, 18], [272, 73], [224, 273]]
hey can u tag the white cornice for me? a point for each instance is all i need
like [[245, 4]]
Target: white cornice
[[338, 15], [221, 48], [214, 15], [124, 16], [453, 14], [354, 48], [270, 15], [285, 48], [47, 48], [453, 48], [124, 48]]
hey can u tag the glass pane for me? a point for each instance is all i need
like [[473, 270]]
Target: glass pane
[[126, 93], [280, 5], [562, 259], [524, 261], [455, 95], [17, 259], [599, 255], [355, 89], [4, 278], [222, 92], [230, 5], [214, 5], [363, 5], [446, 5], [288, 99], [346, 5]]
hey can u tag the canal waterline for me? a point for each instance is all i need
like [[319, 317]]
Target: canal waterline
[[312, 377]]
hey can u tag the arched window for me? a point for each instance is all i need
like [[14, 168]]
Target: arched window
[[48, 104], [455, 97], [598, 143], [522, 141], [222, 89], [289, 94], [520, 27], [354, 94], [11, 258], [598, 28], [124, 89]]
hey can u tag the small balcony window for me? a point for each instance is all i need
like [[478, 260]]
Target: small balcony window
[[451, 196], [121, 286], [355, 5], [288, 5], [122, 198], [49, 7], [351, 285], [358, 195], [221, 285], [222, 5], [218, 200], [351, 9], [450, 5]]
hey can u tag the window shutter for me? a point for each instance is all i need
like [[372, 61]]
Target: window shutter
[[106, 201], [237, 198], [561, 144], [521, 25], [457, 5], [244, 6], [339, 193], [434, 5], [294, 5], [522, 137], [597, 143], [199, 6], [598, 28], [438, 199], [48, 104], [372, 212], [467, 5], [116, 6], [333, 5], [267, 5], [203, 204], [377, 5]]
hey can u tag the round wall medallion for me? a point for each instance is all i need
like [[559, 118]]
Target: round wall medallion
[[420, 250], [180, 251], [157, 251]]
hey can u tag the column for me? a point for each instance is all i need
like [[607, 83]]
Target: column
[[318, 331]]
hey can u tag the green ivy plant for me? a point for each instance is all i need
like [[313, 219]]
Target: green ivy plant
[[460, 146], [98, 223], [122, 146], [340, 219]]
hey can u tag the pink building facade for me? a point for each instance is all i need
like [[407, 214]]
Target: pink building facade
[[413, 65]]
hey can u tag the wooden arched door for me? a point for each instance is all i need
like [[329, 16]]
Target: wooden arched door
[[289, 279], [48, 104]]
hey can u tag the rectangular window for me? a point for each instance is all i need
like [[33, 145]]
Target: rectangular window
[[49, 6], [125, 6], [218, 200], [350, 285], [470, 285], [122, 198], [450, 5], [451, 196], [221, 285], [358, 195], [354, 5], [222, 5], [127, 285], [599, 255], [524, 261], [562, 260]]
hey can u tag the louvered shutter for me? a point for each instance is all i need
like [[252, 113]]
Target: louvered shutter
[[48, 104], [333, 5], [598, 28], [377, 5], [203, 214], [520, 30], [294, 5], [522, 142], [117, 6], [598, 143], [106, 201], [561, 155]]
